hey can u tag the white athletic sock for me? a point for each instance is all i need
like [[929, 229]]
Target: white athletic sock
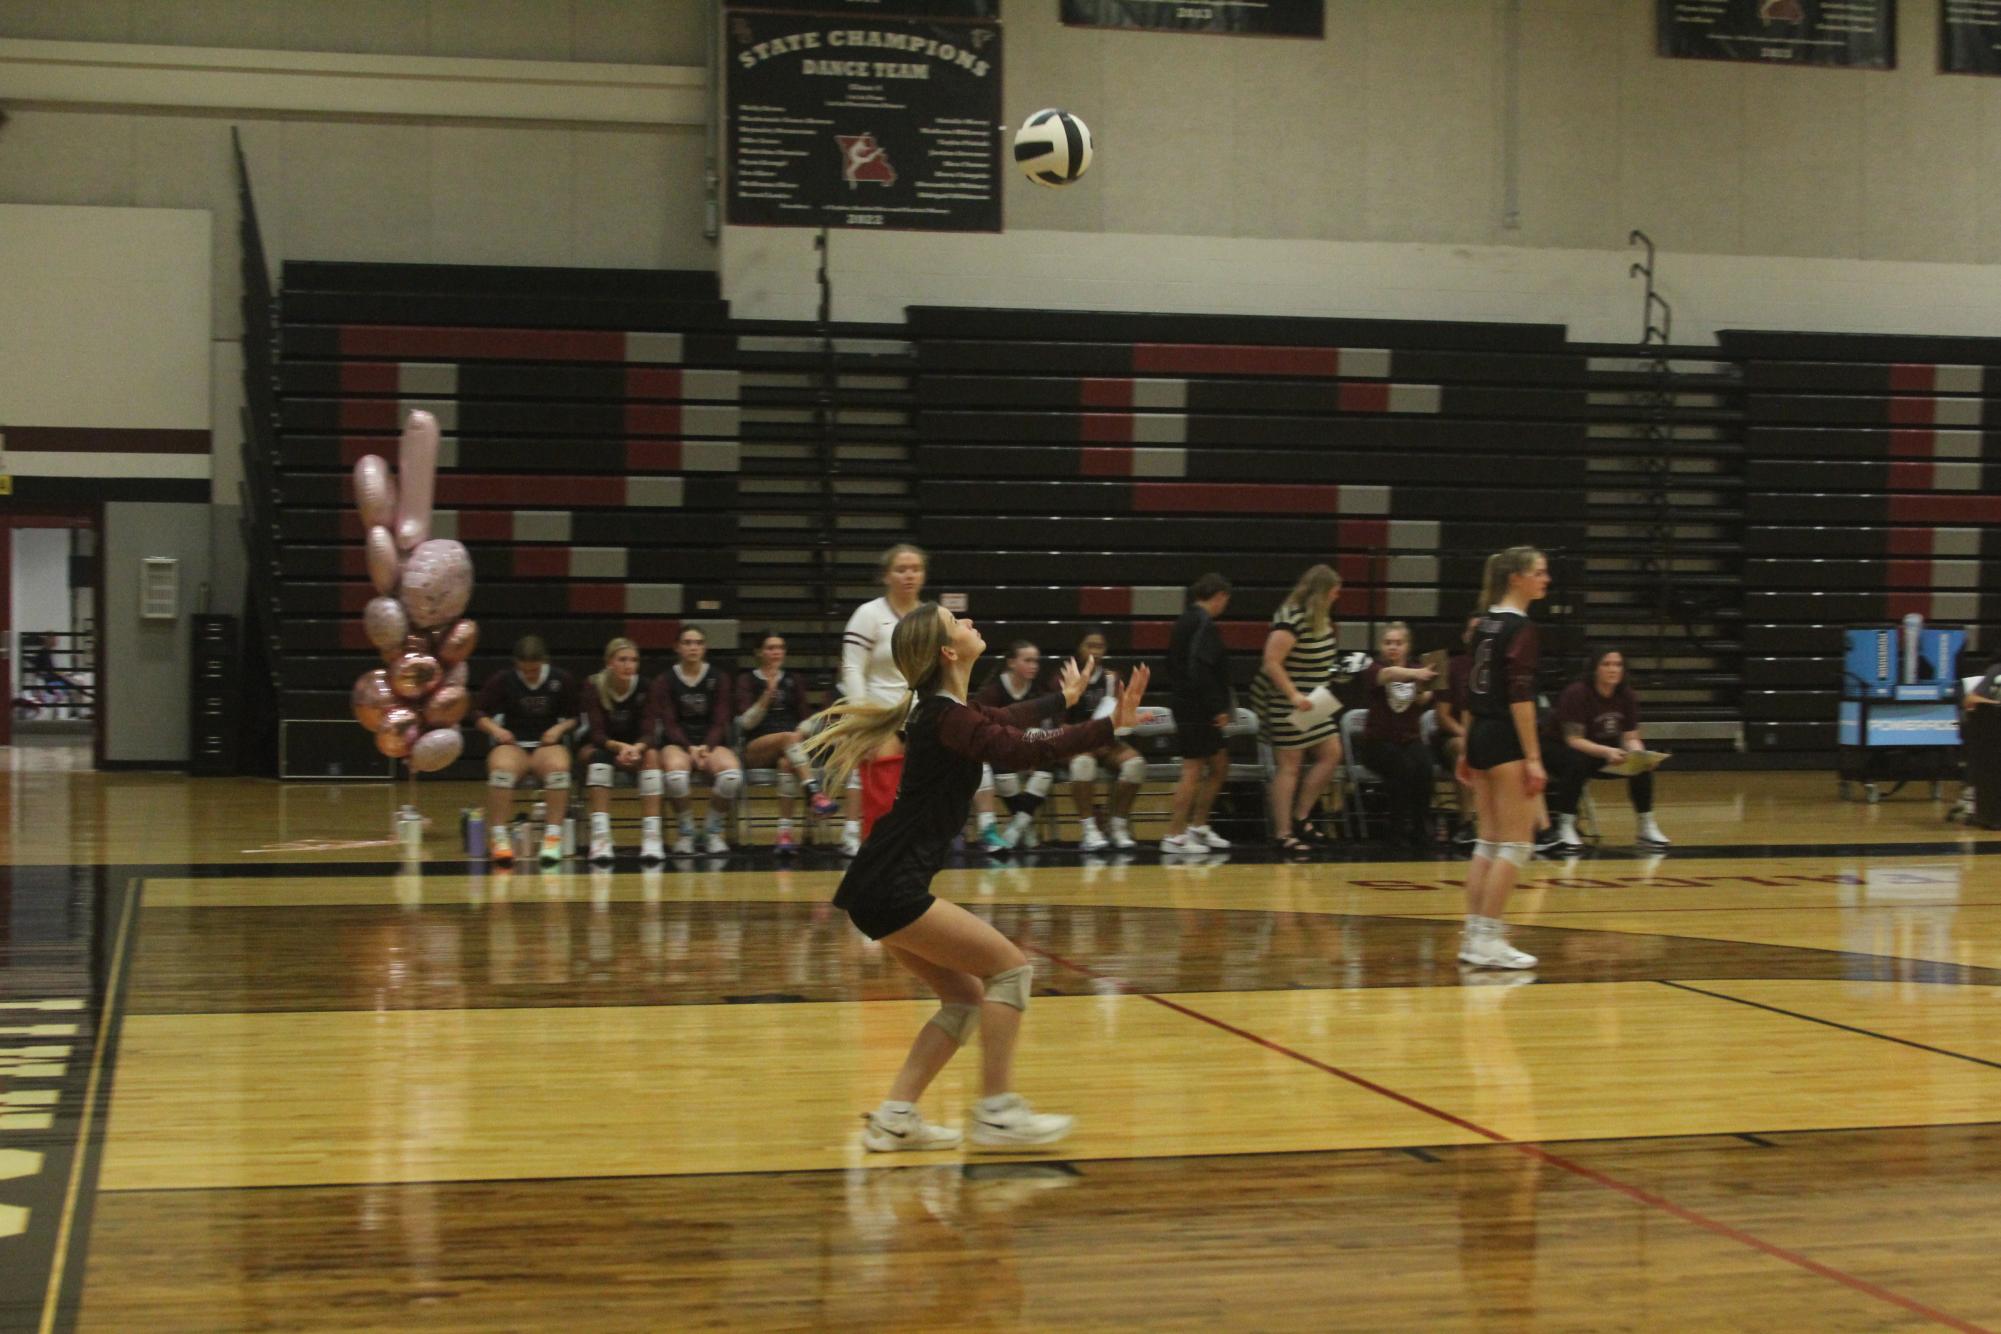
[[1022, 820], [649, 825], [892, 1107], [986, 821], [852, 828], [600, 822]]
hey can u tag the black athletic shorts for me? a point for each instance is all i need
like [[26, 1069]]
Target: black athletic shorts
[[882, 907], [1492, 742], [1195, 737]]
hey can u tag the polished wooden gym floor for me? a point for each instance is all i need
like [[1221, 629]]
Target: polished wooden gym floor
[[260, 1073]]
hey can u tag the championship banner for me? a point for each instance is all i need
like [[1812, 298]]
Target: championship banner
[[851, 122], [1856, 34], [925, 9], [1969, 37], [1237, 18]]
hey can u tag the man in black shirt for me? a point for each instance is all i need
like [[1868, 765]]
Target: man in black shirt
[[1200, 671]]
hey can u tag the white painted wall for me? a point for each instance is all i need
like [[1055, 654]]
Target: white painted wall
[[144, 688]]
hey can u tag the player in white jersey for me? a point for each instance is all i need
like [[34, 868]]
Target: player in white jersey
[[869, 674]]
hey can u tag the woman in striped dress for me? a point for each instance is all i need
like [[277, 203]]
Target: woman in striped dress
[[1299, 656]]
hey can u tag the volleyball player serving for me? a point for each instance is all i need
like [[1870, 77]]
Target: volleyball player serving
[[1503, 758], [982, 979]]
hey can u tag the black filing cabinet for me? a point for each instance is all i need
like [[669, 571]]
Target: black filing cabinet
[[215, 725]]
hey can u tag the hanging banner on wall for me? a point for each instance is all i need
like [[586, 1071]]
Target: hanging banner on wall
[[846, 122], [1239, 18], [1857, 34], [1969, 37], [926, 9]]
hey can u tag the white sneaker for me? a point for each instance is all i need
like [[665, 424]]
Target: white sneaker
[[901, 1132], [1031, 840], [851, 845], [1008, 1122], [552, 847], [1496, 952], [713, 845], [1092, 840], [1210, 837], [499, 848], [1650, 832], [1122, 837], [1566, 838], [684, 846], [1473, 949], [601, 852], [1177, 845], [651, 850]]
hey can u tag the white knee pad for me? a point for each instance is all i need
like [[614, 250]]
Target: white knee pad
[[986, 778], [1012, 987], [650, 784], [1008, 785], [1515, 854], [597, 775], [501, 778], [728, 783], [1039, 783], [1486, 847], [959, 1021], [797, 754], [677, 782], [788, 783], [1133, 771], [1083, 768], [556, 780]]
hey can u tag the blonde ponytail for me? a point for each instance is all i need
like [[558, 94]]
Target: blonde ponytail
[[857, 729], [1501, 565], [601, 681]]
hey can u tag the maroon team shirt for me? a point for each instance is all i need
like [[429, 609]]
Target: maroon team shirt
[[1384, 723], [1605, 721]]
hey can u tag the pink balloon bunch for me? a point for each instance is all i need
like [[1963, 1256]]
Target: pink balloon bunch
[[415, 700]]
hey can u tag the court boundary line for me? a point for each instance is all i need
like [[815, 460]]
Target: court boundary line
[[61, 1291], [1816, 1019], [1639, 1194]]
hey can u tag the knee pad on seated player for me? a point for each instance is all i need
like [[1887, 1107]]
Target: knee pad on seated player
[[959, 1021], [1515, 854], [797, 754], [1008, 785], [788, 783], [1133, 771], [503, 778], [677, 782], [1083, 768], [1012, 987], [556, 780], [650, 784], [728, 783], [597, 775], [1039, 783], [986, 778]]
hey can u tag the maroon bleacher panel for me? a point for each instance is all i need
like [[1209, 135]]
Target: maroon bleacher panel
[[1017, 462], [570, 635]]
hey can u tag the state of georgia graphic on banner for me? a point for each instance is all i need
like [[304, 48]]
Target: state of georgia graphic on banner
[[1855, 34], [863, 121], [1236, 18]]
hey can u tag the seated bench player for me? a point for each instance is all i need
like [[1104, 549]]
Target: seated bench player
[[527, 711]]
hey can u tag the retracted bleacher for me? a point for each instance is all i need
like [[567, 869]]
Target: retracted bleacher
[[588, 460], [1873, 492]]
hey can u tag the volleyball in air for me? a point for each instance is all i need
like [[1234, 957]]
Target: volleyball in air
[[1053, 147]]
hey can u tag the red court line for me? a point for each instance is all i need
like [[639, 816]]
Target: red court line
[[1591, 1174]]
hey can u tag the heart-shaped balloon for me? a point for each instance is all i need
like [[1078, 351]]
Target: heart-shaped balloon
[[374, 492], [436, 749], [412, 675], [447, 706]]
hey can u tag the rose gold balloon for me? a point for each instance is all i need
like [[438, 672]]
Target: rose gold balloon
[[398, 733], [374, 492], [437, 582], [385, 568], [436, 749], [446, 706], [456, 674], [412, 675], [417, 466], [386, 623], [457, 641], [372, 699]]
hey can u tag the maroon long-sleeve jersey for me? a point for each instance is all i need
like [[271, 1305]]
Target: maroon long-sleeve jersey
[[692, 715]]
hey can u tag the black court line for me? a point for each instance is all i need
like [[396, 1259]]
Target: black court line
[[1639, 1194], [1830, 1023]]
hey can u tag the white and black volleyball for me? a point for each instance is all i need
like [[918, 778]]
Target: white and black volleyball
[[1053, 147]]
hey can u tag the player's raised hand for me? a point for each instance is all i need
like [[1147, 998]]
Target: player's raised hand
[[1127, 713], [1072, 679]]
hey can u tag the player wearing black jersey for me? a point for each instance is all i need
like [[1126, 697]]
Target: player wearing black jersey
[[1024, 793], [1117, 758], [692, 700], [981, 977], [771, 708], [527, 711], [620, 729], [1503, 758]]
